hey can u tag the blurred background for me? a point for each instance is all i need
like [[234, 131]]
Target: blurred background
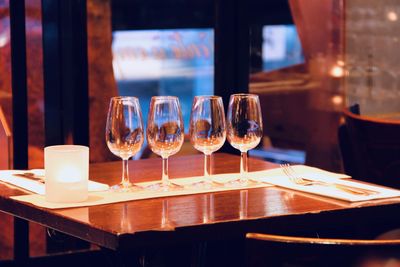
[[306, 59]]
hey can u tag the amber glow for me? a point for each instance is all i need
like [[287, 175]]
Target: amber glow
[[67, 169], [337, 100], [337, 71], [392, 16], [340, 63]]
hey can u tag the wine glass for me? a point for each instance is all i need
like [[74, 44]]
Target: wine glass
[[165, 134], [124, 134], [207, 130], [244, 129]]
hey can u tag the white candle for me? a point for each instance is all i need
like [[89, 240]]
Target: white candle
[[67, 172]]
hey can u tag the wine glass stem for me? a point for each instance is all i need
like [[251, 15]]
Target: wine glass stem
[[125, 173], [165, 178], [243, 167], [207, 166]]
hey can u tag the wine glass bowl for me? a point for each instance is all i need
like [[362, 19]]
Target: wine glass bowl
[[207, 130], [165, 134], [165, 139], [124, 134], [244, 127], [207, 138], [245, 141], [125, 144]]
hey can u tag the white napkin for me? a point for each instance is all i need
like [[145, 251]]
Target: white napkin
[[302, 170], [280, 179], [8, 176]]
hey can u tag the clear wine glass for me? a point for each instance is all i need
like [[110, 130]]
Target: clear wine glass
[[244, 129], [165, 134], [207, 131], [124, 134]]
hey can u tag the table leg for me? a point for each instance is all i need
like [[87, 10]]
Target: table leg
[[57, 242], [125, 258], [166, 256], [21, 239]]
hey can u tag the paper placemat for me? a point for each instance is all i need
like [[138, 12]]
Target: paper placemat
[[108, 197], [280, 179]]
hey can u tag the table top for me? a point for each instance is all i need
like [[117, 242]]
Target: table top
[[200, 216]]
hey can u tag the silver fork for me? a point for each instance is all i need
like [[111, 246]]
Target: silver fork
[[297, 179]]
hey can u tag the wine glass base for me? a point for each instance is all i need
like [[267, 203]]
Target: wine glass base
[[205, 185], [123, 188], [241, 183], [164, 187]]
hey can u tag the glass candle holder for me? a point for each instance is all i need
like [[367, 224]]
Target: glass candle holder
[[67, 173]]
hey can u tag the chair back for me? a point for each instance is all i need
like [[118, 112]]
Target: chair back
[[5, 143], [371, 149], [278, 250]]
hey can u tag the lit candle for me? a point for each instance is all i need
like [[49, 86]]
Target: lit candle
[[67, 172]]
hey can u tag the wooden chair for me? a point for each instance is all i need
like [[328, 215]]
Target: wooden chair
[[278, 250], [5, 163], [5, 142], [371, 149]]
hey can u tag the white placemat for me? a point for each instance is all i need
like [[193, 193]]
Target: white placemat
[[107, 197], [280, 179]]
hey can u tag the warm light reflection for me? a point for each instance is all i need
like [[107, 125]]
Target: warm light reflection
[[4, 40], [243, 204], [125, 219], [337, 71], [208, 208], [392, 16], [340, 63], [80, 214], [283, 205], [337, 100]]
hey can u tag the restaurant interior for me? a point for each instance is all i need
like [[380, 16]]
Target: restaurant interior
[[199, 133]]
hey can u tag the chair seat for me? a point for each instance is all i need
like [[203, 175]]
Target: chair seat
[[278, 250]]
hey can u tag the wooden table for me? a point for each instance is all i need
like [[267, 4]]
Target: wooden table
[[193, 218]]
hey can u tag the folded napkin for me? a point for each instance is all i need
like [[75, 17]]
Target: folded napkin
[[280, 179], [9, 176], [100, 198]]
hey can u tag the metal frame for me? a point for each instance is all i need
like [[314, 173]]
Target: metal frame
[[65, 70], [20, 115], [19, 84], [232, 47]]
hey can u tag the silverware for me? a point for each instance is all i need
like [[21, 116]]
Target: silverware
[[295, 178], [30, 176]]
